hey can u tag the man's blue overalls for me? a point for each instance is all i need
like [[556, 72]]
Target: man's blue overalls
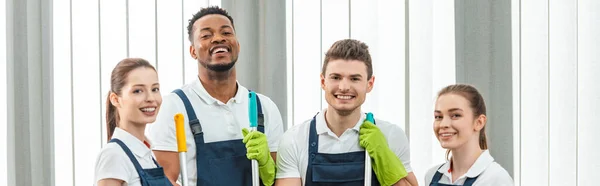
[[148, 177], [223, 162], [345, 169]]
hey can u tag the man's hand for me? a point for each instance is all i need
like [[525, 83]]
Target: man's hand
[[257, 148], [387, 166]]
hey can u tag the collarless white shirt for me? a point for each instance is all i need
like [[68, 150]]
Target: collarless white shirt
[[489, 172], [292, 156], [220, 121], [113, 162]]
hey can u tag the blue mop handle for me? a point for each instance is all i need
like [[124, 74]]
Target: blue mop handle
[[370, 118], [252, 110], [368, 167], [253, 117]]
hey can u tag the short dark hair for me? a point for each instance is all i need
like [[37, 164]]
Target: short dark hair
[[349, 49], [202, 13]]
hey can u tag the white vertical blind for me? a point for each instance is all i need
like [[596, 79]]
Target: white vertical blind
[[558, 92], [3, 91], [289, 44], [142, 29], [420, 79], [588, 97], [113, 48], [516, 85], [86, 89], [306, 59], [63, 102], [170, 51], [214, 2], [390, 81], [562, 92], [534, 92]]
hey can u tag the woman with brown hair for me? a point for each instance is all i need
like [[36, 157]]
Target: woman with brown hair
[[460, 120], [133, 101]]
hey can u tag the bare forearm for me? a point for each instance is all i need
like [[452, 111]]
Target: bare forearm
[[110, 182], [274, 156], [288, 182], [402, 182]]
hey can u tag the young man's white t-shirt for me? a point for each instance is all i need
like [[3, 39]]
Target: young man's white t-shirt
[[113, 162], [220, 121], [292, 156], [489, 172]]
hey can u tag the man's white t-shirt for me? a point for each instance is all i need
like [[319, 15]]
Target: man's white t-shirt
[[220, 121], [489, 172], [292, 156], [113, 162]]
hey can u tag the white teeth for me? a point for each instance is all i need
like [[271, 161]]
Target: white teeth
[[219, 50], [148, 109], [446, 134], [344, 97]]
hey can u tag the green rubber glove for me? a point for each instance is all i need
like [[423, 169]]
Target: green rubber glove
[[257, 148], [387, 166]]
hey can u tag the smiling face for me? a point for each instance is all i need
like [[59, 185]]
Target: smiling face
[[346, 85], [140, 98], [215, 45], [455, 124]]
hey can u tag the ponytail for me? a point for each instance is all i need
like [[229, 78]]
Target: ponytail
[[112, 116], [483, 139]]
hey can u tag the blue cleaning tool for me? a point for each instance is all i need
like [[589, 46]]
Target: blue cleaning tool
[[368, 167], [253, 118], [252, 110], [370, 118]]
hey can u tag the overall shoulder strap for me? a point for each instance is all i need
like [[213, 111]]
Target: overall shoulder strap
[[193, 120]]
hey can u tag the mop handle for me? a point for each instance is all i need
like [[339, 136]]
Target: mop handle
[[367, 157], [253, 118], [181, 147]]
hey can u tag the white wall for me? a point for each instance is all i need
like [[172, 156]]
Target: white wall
[[557, 92]]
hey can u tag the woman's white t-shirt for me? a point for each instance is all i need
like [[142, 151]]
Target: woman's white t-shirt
[[489, 172], [112, 162]]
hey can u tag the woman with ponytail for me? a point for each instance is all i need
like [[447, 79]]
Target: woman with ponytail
[[459, 125], [133, 101]]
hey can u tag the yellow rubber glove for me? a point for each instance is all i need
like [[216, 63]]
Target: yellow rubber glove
[[387, 166], [257, 148]]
